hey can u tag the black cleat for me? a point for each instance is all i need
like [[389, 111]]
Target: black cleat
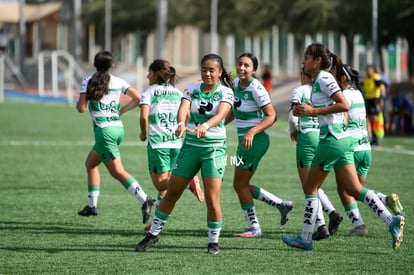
[[321, 233], [149, 240], [146, 209], [335, 220], [213, 248], [88, 211]]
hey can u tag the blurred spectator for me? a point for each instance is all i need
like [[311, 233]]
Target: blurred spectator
[[267, 78], [384, 78], [401, 113], [374, 93]]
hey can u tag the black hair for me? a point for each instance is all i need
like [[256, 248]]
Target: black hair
[[352, 76], [163, 71], [253, 58], [98, 85], [225, 77], [330, 61]]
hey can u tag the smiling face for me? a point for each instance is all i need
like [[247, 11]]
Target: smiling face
[[210, 73], [245, 69]]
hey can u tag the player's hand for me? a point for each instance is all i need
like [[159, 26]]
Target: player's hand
[[181, 129]]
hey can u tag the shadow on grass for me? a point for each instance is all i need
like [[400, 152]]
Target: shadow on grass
[[43, 230], [102, 242], [86, 229]]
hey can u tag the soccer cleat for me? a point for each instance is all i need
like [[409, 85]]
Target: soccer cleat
[[393, 202], [335, 220], [146, 209], [360, 231], [149, 240], [88, 211], [250, 233], [213, 248], [297, 242], [285, 207], [321, 233], [396, 229], [195, 188]]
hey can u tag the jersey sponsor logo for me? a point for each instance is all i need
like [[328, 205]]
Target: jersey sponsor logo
[[165, 92], [205, 107], [111, 107], [331, 85], [237, 102], [263, 98], [169, 137], [228, 97]]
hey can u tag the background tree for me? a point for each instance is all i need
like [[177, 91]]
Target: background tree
[[396, 18], [139, 16], [256, 17]]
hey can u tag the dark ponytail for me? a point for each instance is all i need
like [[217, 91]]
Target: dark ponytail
[[330, 61], [352, 76], [164, 72], [98, 85]]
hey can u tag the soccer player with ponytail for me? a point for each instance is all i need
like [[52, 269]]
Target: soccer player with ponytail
[[100, 93], [335, 148]]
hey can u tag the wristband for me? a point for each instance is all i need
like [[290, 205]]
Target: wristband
[[180, 123], [205, 125]]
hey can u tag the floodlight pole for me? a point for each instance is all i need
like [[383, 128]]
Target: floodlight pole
[[213, 26], [162, 18], [108, 25], [22, 33], [374, 30]]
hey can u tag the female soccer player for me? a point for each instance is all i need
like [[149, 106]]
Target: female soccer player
[[357, 125], [335, 150], [159, 106], [204, 149], [101, 93], [253, 113], [305, 131]]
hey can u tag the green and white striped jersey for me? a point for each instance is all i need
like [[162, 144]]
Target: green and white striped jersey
[[248, 102], [203, 107], [357, 122], [325, 86], [105, 112], [163, 101], [300, 95]]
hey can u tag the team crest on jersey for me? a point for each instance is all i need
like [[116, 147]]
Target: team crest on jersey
[[216, 96]]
